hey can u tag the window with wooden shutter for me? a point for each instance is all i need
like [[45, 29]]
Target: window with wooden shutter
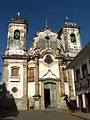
[[84, 70], [14, 71], [78, 75], [31, 74]]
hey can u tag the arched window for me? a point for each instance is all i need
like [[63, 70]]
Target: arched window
[[73, 37], [17, 34], [14, 71]]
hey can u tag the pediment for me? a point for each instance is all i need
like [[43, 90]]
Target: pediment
[[45, 40], [49, 74]]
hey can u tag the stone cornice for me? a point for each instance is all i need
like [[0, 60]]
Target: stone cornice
[[15, 57]]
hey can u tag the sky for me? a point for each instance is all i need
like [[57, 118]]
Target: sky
[[38, 11]]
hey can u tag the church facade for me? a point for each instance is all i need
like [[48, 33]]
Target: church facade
[[37, 77]]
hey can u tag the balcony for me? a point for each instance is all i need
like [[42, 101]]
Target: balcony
[[83, 83]]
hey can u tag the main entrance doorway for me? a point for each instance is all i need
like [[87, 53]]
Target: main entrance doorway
[[49, 95]]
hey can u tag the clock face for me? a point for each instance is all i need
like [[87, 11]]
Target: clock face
[[16, 34]]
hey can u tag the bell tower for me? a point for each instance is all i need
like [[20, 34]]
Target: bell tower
[[16, 38], [69, 35], [15, 61]]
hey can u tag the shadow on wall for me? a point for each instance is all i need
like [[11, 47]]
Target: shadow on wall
[[67, 102], [70, 103], [8, 106]]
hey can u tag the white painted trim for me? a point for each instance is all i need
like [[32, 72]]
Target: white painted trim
[[77, 98], [83, 100]]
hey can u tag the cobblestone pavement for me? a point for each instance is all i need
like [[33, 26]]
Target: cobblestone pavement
[[77, 113], [85, 116], [42, 115]]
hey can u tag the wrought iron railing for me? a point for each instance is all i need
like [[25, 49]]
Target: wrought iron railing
[[83, 83]]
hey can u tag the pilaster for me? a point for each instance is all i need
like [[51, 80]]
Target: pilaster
[[22, 103], [25, 82], [36, 96], [42, 96], [5, 72], [58, 93], [62, 103], [36, 76], [71, 91], [61, 80]]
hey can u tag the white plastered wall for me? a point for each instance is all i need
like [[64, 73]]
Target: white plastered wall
[[48, 71], [18, 83], [74, 48], [31, 85], [13, 27], [15, 49], [31, 89]]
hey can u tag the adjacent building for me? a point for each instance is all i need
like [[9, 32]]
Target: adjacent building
[[36, 77], [81, 67]]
